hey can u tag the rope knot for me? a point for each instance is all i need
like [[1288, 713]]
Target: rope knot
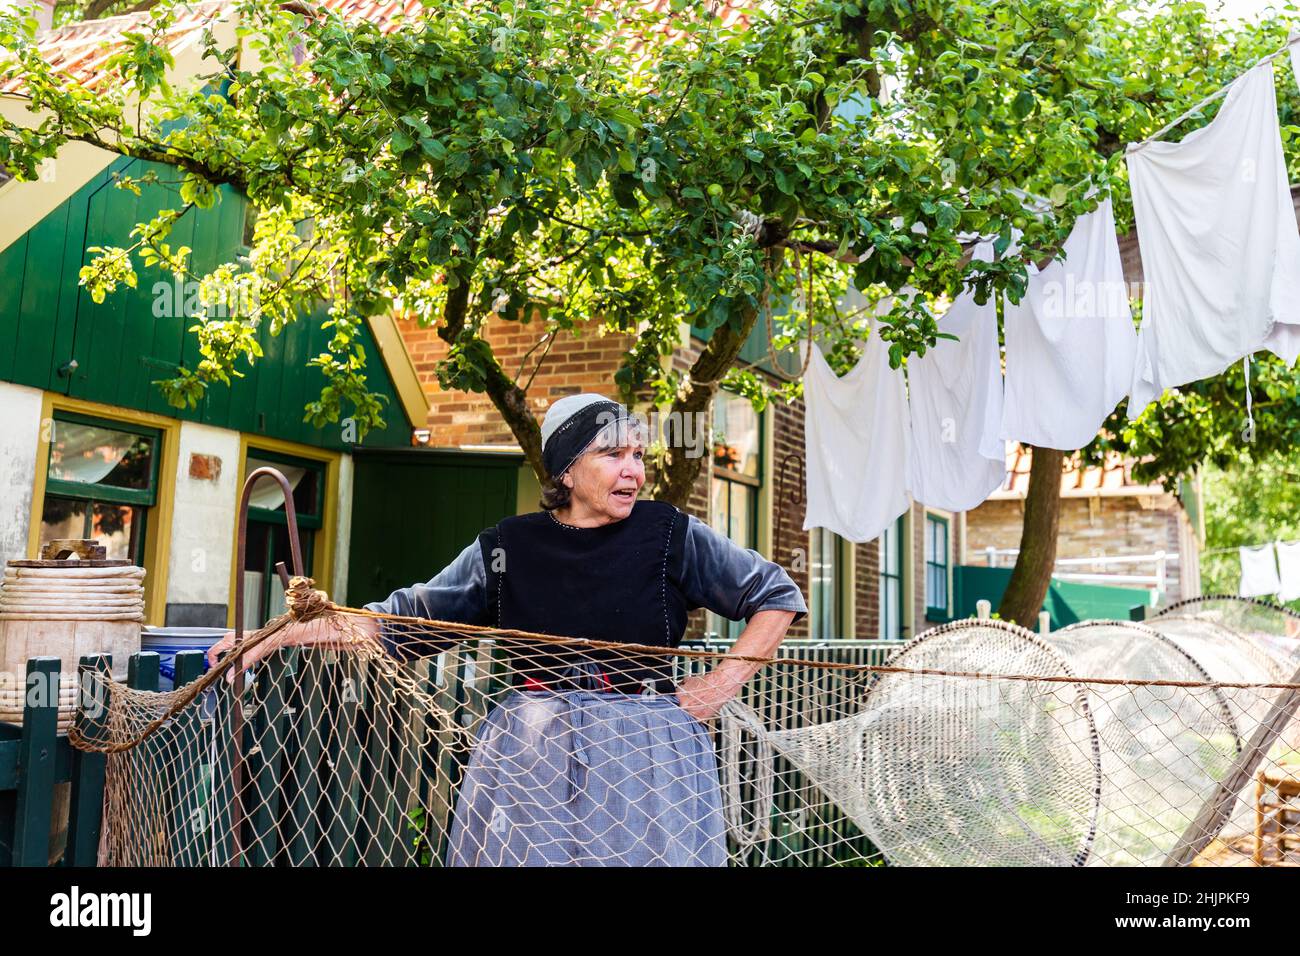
[[304, 601]]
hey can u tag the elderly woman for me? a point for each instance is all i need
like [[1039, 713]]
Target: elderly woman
[[596, 757]]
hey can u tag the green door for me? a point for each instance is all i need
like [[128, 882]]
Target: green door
[[414, 511]]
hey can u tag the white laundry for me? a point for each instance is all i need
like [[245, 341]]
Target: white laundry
[[1288, 567], [955, 400], [857, 438], [1294, 47], [1258, 572], [1220, 247], [1070, 341]]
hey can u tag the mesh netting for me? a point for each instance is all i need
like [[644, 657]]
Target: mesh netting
[[979, 743]]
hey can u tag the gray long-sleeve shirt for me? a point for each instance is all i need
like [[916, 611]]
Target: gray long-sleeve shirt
[[717, 574]]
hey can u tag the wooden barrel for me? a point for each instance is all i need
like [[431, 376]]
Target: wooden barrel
[[55, 607], [66, 609]]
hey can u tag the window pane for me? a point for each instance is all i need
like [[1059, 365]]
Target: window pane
[[735, 435], [889, 550], [268, 544], [721, 507], [303, 479], [742, 522], [822, 578], [890, 594], [815, 583], [117, 527], [91, 455]]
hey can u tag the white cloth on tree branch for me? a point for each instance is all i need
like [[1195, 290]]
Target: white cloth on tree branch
[[1220, 246], [1070, 341], [857, 440], [1288, 566], [1258, 572], [955, 401]]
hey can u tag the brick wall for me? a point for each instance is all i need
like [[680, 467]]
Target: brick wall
[[788, 497], [866, 574], [1131, 524], [573, 365]]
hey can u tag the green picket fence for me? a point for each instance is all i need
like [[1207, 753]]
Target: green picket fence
[[41, 774], [44, 779]]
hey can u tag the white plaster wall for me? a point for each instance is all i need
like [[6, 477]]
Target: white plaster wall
[[203, 522], [338, 588], [20, 432]]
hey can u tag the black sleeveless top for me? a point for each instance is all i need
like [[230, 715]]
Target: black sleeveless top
[[616, 582]]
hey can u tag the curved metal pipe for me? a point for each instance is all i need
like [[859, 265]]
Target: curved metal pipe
[[241, 564]]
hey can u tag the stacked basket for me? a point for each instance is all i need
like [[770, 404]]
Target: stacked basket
[[65, 609]]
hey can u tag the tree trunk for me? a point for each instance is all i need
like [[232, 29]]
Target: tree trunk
[[510, 400], [1033, 572], [677, 473]]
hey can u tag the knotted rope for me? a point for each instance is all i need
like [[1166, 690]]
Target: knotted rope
[[736, 718], [305, 602]]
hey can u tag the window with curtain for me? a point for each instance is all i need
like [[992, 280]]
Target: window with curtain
[[826, 566], [268, 530], [736, 479], [101, 482], [936, 568], [891, 582]]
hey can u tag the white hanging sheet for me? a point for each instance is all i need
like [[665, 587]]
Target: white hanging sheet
[[1288, 568], [857, 441], [1258, 572], [1070, 341], [955, 401], [1220, 246]]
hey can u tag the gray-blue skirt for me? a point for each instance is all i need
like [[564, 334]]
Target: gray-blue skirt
[[578, 778]]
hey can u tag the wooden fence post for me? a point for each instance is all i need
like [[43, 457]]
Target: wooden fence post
[[85, 818], [36, 757]]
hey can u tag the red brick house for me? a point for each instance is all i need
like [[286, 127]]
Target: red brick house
[[1114, 530], [751, 490]]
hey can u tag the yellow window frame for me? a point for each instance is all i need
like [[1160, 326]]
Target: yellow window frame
[[158, 530]]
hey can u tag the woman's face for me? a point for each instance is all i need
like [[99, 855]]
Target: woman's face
[[605, 482]]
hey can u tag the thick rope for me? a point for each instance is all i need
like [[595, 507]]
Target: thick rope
[[735, 719]]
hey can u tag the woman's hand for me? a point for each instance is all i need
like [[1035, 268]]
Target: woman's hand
[[703, 695], [322, 632]]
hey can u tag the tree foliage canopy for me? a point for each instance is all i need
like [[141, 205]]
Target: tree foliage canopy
[[553, 163]]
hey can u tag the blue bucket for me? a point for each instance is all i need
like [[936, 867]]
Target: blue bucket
[[167, 642]]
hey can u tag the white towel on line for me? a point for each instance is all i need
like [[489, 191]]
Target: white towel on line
[[1288, 568], [955, 400], [857, 441], [1258, 572], [1070, 341], [1220, 245]]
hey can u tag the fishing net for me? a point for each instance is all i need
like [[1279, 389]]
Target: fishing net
[[979, 743], [1273, 629], [949, 770]]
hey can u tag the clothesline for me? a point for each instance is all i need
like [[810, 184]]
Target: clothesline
[[1221, 91], [1236, 549], [1071, 350]]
